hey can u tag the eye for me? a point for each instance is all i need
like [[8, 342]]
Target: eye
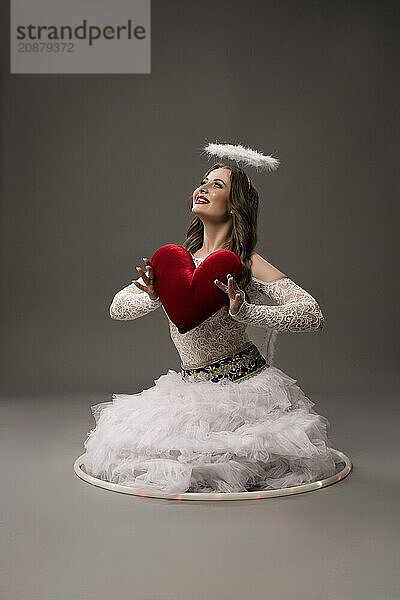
[[216, 183]]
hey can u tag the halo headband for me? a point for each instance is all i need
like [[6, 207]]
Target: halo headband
[[245, 155]]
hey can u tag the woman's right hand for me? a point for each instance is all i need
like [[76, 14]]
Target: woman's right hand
[[148, 279]]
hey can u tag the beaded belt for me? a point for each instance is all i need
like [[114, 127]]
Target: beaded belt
[[237, 366]]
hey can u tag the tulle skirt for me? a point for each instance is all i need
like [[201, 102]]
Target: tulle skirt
[[179, 436]]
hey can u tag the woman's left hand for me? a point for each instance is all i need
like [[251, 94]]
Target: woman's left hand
[[236, 295]]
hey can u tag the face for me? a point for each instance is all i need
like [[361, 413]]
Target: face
[[214, 191]]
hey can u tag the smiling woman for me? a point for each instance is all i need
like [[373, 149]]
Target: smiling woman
[[230, 421]]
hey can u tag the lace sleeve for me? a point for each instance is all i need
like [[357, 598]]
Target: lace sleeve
[[131, 303], [297, 310]]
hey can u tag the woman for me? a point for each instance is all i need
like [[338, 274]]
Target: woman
[[230, 421]]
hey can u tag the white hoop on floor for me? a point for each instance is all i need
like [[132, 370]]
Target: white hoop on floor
[[345, 466]]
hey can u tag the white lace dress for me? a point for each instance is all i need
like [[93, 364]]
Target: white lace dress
[[199, 430]]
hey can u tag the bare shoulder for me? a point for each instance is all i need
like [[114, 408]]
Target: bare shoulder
[[263, 270]]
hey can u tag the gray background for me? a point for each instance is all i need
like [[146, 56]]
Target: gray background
[[95, 174], [96, 171]]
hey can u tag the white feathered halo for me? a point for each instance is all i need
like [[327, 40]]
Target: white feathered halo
[[242, 154]]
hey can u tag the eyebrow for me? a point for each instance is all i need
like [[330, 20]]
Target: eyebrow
[[217, 179]]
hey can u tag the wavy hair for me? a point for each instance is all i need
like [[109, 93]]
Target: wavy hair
[[243, 200]]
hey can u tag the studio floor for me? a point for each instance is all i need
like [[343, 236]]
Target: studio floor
[[64, 539]]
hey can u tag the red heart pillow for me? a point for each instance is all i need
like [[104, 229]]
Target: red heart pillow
[[189, 294]]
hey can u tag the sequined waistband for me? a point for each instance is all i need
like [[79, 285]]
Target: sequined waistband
[[236, 366]]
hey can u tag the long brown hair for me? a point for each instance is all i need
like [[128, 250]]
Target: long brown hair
[[244, 202]]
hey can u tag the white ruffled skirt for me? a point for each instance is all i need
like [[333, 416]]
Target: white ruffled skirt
[[179, 436]]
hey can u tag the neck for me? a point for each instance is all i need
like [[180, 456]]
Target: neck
[[215, 236]]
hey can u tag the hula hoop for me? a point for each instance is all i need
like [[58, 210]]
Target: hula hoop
[[344, 466]]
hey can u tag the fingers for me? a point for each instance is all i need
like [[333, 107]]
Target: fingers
[[149, 270], [148, 276], [235, 305], [228, 289], [221, 285], [231, 287], [139, 285]]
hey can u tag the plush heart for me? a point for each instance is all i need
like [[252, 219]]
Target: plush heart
[[189, 294]]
